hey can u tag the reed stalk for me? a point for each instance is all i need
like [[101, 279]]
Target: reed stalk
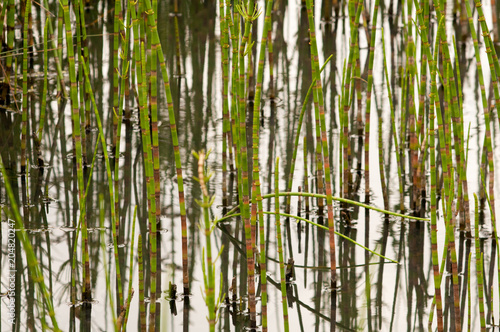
[[280, 246], [318, 94], [155, 44], [494, 82], [131, 270], [469, 296], [142, 304], [224, 41], [256, 187], [479, 267], [368, 106], [209, 268], [432, 153], [306, 176], [124, 55], [45, 72], [149, 177], [393, 122], [24, 124], [102, 215], [249, 13], [110, 184], [116, 76], [77, 138], [297, 136], [11, 20]]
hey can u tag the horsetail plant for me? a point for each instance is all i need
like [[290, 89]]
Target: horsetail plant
[[479, 267], [249, 14], [280, 245], [86, 291], [369, 103], [318, 94], [209, 268], [155, 44]]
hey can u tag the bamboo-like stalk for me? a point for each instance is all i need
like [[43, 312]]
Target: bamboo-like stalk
[[131, 270], [494, 82], [142, 304], [256, 187], [381, 166], [45, 71], [10, 39], [423, 78], [368, 108], [393, 122], [354, 20], [155, 44], [102, 239], [432, 153], [326, 160], [450, 223], [469, 296], [249, 13], [224, 41], [110, 182], [209, 269], [86, 290], [116, 77], [306, 176], [411, 125], [280, 246], [117, 139], [24, 124], [3, 10], [479, 266], [297, 136], [149, 177], [154, 119], [85, 51]]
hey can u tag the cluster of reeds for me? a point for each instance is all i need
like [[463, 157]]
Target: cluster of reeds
[[423, 85]]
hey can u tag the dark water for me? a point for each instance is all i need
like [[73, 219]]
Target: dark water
[[373, 294]]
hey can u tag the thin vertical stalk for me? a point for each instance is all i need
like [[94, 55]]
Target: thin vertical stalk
[[224, 41], [142, 304], [110, 182], [11, 20], [77, 138], [208, 279], [432, 153], [297, 136], [326, 160], [155, 44], [479, 267], [494, 82], [45, 72], [368, 106], [393, 122], [280, 245], [249, 13], [256, 187], [131, 269], [149, 176], [24, 124]]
